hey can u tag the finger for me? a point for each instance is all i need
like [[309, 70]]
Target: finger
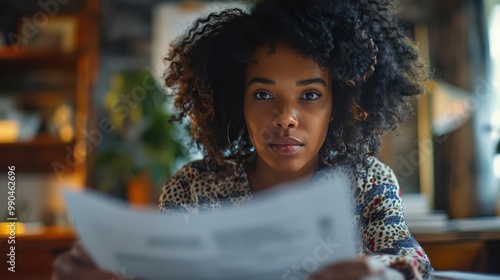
[[80, 254], [67, 268], [393, 274], [85, 273], [92, 273], [381, 271], [375, 265], [341, 277], [343, 270], [63, 265]]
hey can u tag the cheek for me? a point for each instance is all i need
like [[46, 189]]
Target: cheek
[[253, 120], [324, 130], [258, 119], [319, 123]]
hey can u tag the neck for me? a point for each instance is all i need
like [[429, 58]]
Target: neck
[[261, 176]]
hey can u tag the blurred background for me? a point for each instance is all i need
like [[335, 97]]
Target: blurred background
[[82, 106]]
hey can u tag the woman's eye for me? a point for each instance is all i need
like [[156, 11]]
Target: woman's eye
[[310, 95], [262, 95]]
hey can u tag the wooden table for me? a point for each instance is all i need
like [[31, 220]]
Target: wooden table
[[477, 251], [35, 251], [461, 251]]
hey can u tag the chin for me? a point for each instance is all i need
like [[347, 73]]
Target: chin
[[286, 165]]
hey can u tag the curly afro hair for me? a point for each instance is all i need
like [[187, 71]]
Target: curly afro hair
[[375, 69]]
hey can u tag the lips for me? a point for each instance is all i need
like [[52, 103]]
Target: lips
[[286, 146]]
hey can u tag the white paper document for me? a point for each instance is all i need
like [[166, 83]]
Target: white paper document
[[288, 233]]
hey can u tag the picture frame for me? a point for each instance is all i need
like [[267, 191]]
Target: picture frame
[[58, 33]]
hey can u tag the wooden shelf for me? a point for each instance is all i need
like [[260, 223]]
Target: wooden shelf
[[457, 236], [16, 58], [42, 139], [59, 76], [35, 253], [38, 155], [10, 53]]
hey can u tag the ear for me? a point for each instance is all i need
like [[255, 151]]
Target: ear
[[332, 116]]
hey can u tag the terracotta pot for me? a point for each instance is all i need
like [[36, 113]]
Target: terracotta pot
[[139, 192]]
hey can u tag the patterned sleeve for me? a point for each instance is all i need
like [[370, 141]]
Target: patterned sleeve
[[383, 229]]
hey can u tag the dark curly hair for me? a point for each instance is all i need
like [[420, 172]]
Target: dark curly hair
[[375, 69]]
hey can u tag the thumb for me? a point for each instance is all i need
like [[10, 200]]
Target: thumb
[[379, 270], [80, 254]]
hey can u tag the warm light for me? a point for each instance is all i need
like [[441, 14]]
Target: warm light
[[495, 32], [66, 133], [494, 37], [9, 131], [496, 166], [53, 189], [6, 228], [495, 118]]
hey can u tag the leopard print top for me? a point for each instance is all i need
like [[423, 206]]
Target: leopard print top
[[378, 214]]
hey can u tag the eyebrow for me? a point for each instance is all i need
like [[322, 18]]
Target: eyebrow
[[298, 83], [262, 81], [311, 81]]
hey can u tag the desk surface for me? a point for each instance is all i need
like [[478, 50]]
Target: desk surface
[[457, 236], [44, 233], [35, 251], [448, 275]]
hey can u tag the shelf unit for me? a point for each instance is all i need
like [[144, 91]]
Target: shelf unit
[[46, 153], [36, 249], [38, 59], [9, 53]]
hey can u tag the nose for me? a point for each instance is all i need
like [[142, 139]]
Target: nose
[[285, 119]]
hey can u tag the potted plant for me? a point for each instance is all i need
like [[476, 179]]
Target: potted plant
[[141, 153]]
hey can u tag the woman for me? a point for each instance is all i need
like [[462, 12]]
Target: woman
[[282, 93]]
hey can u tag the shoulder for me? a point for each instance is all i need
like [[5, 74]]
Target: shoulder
[[195, 182], [189, 172], [364, 175], [176, 191], [192, 172], [375, 172]]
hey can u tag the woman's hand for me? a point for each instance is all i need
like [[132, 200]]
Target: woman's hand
[[77, 264], [367, 269]]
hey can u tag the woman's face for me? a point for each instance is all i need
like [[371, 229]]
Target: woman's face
[[287, 107]]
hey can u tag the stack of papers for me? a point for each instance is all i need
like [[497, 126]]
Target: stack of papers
[[428, 223]]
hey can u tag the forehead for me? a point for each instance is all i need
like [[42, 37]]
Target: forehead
[[283, 62]]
